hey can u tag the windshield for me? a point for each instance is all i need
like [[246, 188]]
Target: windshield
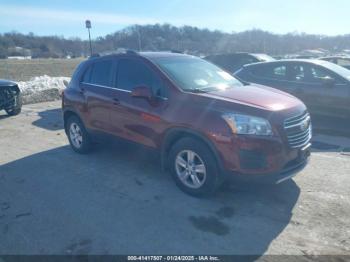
[[342, 71], [195, 74]]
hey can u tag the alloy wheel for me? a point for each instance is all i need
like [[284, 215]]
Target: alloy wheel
[[190, 169], [76, 135]]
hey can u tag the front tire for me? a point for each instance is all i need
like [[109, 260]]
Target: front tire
[[77, 135], [194, 168]]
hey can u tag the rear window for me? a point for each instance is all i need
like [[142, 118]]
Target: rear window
[[343, 62], [232, 62]]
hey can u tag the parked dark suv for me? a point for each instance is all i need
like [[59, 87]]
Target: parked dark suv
[[235, 61], [206, 124]]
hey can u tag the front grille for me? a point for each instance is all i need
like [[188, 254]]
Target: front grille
[[298, 130]]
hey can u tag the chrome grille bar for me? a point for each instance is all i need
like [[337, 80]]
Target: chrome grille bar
[[298, 130]]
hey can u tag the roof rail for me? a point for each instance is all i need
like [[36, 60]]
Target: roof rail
[[115, 52]]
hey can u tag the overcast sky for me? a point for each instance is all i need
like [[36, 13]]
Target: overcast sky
[[66, 17]]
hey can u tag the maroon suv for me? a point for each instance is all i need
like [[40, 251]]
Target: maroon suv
[[207, 125]]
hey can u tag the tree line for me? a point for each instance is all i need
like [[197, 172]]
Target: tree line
[[157, 37]]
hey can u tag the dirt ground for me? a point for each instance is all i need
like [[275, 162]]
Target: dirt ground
[[24, 70], [116, 200]]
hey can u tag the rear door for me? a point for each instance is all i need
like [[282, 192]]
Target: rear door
[[305, 81], [310, 84], [96, 86], [137, 119]]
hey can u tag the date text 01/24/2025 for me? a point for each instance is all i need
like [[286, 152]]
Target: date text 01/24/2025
[[173, 258]]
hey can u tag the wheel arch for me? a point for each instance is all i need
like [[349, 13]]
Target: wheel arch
[[66, 115], [175, 134]]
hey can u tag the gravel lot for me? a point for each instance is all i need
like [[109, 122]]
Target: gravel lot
[[117, 201]]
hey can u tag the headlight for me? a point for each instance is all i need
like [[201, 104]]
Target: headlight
[[248, 125]]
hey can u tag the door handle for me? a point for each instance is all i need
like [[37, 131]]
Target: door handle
[[116, 101], [81, 90]]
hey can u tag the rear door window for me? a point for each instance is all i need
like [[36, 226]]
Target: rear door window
[[87, 75], [278, 72], [297, 72], [101, 73]]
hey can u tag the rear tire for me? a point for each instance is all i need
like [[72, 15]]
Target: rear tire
[[16, 108], [78, 136], [194, 167]]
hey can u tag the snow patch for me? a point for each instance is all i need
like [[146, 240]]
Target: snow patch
[[42, 88]]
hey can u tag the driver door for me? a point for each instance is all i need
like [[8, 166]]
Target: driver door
[[137, 119]]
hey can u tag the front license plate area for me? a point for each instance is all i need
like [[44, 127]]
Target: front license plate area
[[304, 153]]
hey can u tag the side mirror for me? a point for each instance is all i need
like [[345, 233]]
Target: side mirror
[[328, 81], [142, 92]]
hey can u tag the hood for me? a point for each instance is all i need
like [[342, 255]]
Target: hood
[[6, 83], [257, 96]]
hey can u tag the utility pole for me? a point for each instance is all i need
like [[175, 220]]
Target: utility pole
[[88, 26], [139, 38]]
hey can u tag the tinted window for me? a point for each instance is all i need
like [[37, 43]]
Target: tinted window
[[232, 62], [271, 71], [133, 73], [244, 60], [279, 72], [227, 62], [298, 73], [318, 74], [336, 69], [87, 74], [343, 62], [308, 73], [102, 73]]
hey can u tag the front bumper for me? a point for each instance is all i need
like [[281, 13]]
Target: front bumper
[[8, 96], [270, 160], [290, 170]]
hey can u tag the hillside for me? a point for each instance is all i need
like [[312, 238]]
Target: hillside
[[167, 37]]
